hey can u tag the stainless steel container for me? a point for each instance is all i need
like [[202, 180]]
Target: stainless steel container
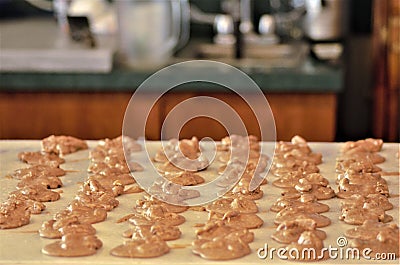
[[151, 30], [326, 20]]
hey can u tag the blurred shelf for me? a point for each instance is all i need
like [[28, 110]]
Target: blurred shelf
[[301, 76]]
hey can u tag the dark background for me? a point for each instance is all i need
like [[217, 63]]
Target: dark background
[[355, 102]]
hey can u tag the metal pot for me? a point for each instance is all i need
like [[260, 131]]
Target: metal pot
[[151, 30], [326, 20]]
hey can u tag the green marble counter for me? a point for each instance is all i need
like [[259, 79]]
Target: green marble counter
[[310, 76]]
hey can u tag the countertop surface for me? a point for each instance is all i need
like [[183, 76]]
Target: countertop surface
[[23, 245], [309, 75]]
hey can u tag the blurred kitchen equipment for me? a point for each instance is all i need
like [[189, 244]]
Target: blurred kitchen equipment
[[266, 27], [50, 50], [256, 50], [80, 30], [41, 4], [246, 26], [67, 46], [100, 14], [223, 25], [59, 7], [198, 16], [327, 51], [242, 12], [151, 30], [325, 25], [326, 20], [287, 16]]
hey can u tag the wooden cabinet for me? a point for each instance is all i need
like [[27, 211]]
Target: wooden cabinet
[[85, 115], [310, 115], [386, 60], [100, 115]]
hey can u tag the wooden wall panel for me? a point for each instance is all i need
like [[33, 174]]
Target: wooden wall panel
[[100, 115], [310, 115], [386, 58], [85, 115]]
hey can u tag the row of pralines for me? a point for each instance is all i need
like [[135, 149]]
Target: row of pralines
[[154, 222], [299, 216], [227, 233], [37, 181], [108, 178], [364, 195]]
